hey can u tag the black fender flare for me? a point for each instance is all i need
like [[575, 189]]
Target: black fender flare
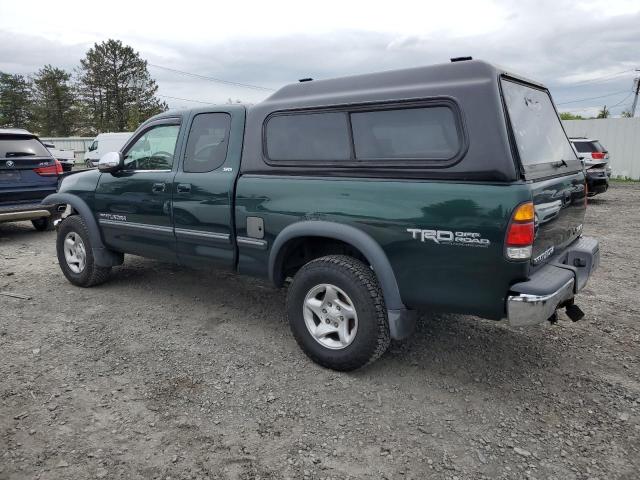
[[401, 320], [103, 257]]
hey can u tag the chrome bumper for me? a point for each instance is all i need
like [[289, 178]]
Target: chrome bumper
[[525, 309], [553, 285]]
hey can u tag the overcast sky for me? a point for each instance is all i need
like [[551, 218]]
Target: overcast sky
[[580, 49]]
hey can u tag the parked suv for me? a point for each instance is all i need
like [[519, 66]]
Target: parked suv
[[596, 163], [449, 188], [28, 173]]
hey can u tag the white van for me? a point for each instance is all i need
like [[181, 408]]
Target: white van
[[105, 143]]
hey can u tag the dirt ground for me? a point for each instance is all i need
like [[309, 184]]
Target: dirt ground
[[166, 372]]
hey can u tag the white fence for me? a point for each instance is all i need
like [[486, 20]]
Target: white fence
[[79, 145], [620, 136]]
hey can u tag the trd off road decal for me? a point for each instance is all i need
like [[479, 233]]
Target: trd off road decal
[[448, 237], [113, 216]]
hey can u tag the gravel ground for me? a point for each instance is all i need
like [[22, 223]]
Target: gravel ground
[[165, 372]]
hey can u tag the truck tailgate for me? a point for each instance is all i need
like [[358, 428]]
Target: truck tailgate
[[559, 214]]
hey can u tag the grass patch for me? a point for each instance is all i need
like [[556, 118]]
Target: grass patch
[[623, 180]]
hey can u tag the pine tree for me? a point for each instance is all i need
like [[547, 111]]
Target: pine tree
[[56, 109], [16, 101], [116, 87]]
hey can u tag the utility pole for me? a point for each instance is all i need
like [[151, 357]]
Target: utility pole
[[636, 87]]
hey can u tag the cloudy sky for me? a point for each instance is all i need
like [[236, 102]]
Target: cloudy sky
[[585, 51]]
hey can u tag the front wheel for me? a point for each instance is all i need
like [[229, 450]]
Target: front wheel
[[337, 313], [75, 255]]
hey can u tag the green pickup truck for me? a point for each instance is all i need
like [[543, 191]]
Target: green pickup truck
[[450, 188]]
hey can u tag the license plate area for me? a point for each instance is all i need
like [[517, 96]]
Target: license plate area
[[10, 177]]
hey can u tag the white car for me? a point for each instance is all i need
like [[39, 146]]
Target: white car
[[105, 143], [595, 159], [66, 158], [592, 152]]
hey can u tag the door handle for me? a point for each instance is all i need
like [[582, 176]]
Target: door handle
[[158, 187], [184, 188]]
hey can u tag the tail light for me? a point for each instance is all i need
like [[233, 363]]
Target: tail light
[[521, 232], [51, 170], [597, 155]]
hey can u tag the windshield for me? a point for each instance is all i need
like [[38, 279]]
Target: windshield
[[15, 146], [536, 126]]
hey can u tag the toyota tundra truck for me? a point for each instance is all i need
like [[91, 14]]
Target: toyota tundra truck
[[450, 188]]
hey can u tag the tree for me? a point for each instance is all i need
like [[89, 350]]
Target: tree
[[604, 113], [116, 87], [570, 116], [56, 109], [15, 101], [626, 114]]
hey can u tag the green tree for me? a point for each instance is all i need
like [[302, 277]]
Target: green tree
[[626, 114], [15, 101], [604, 113], [116, 87], [56, 109], [570, 116]]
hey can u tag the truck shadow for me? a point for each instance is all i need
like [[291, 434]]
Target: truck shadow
[[22, 231], [459, 347]]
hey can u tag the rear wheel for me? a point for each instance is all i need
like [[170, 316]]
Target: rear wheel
[[43, 224], [337, 314], [75, 255]]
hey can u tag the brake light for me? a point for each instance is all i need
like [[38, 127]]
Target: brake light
[[51, 170], [597, 155], [521, 232]]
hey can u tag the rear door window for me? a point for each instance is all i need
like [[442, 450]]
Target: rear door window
[[411, 133], [207, 143], [586, 147], [538, 133]]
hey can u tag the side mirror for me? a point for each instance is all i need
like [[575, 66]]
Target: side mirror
[[110, 162]]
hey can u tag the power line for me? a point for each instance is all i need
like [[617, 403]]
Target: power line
[[212, 79], [593, 98], [622, 101], [185, 99], [604, 78]]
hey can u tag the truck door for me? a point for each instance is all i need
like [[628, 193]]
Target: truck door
[[203, 187], [133, 205]]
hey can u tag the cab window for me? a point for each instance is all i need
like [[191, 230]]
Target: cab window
[[153, 150]]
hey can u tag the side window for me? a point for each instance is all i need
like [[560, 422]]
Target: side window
[[412, 133], [154, 150], [93, 146], [310, 137], [207, 144]]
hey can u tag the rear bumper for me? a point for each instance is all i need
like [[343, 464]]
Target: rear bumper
[[554, 285], [597, 182]]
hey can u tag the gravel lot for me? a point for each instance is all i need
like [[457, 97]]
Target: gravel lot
[[166, 372]]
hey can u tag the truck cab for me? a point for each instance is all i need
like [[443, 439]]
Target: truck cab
[[449, 188]]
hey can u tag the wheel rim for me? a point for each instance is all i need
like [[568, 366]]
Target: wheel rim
[[75, 253], [330, 316]]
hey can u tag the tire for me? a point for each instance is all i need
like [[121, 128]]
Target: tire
[[44, 224], [88, 164], [356, 285], [82, 274]]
